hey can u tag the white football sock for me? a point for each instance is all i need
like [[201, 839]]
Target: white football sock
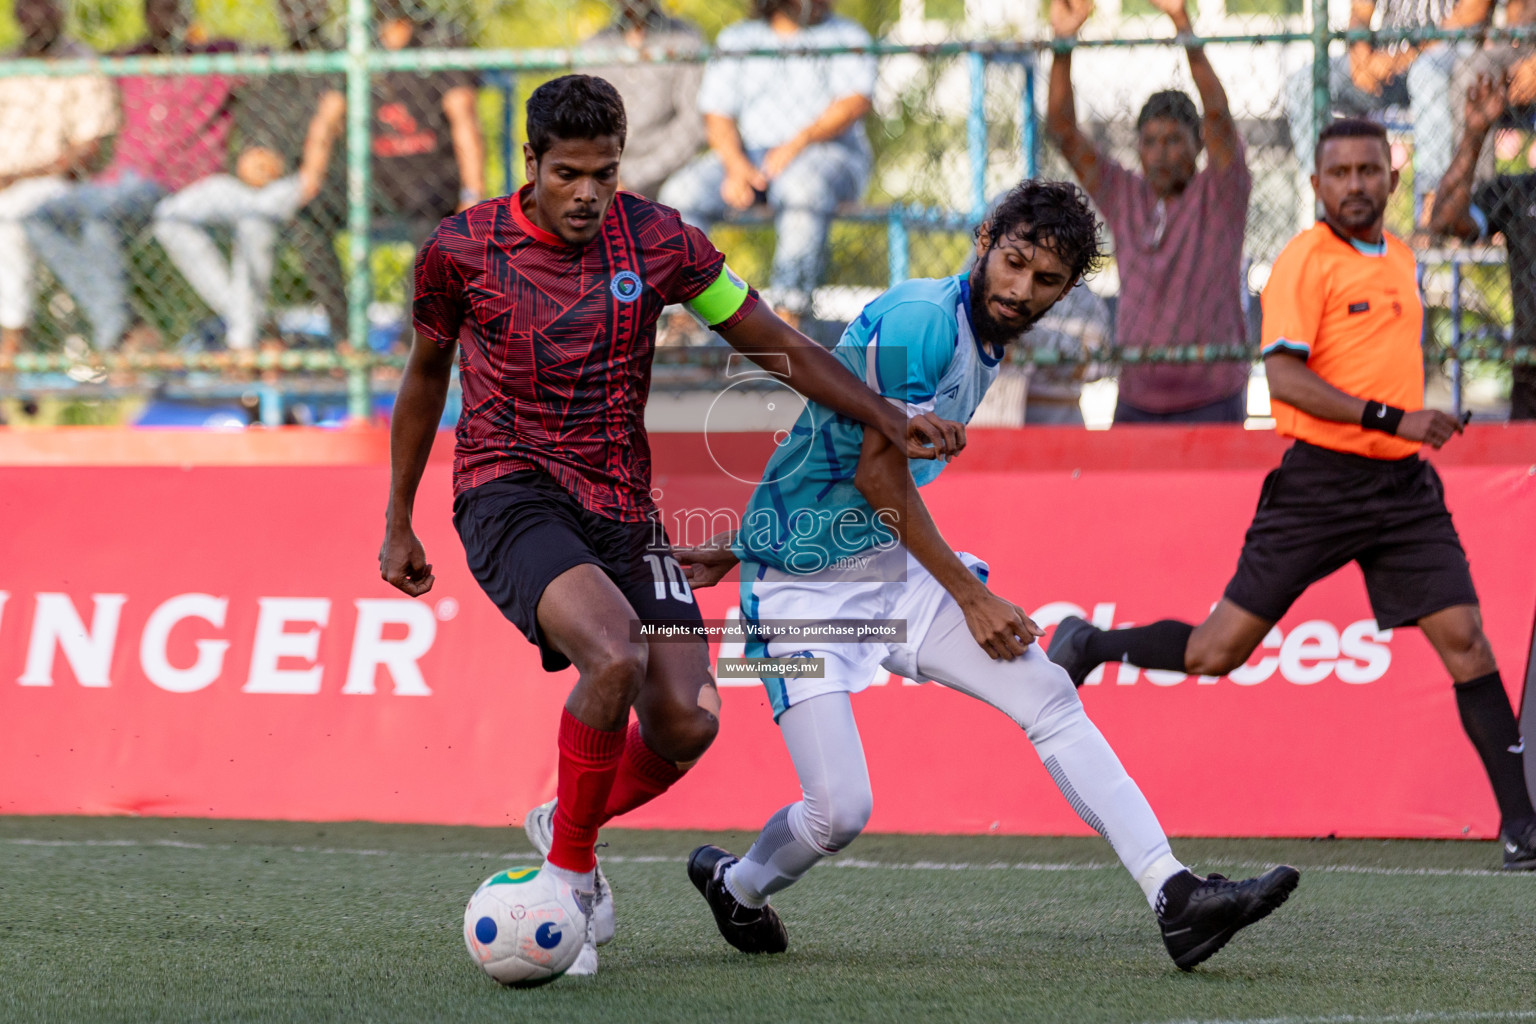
[[777, 859], [1157, 873], [582, 881], [823, 742], [1038, 695]]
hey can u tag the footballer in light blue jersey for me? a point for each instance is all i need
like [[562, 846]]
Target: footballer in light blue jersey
[[844, 573], [915, 346]]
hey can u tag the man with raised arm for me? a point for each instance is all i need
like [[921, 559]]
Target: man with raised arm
[[1178, 232], [1501, 206], [550, 298]]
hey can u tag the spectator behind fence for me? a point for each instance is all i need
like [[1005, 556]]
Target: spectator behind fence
[[661, 100], [1376, 76], [51, 129], [279, 168], [1042, 394], [785, 130], [1178, 232], [1505, 205], [428, 156], [1075, 326], [175, 130]]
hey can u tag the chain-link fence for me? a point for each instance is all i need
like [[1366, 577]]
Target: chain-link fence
[[223, 202]]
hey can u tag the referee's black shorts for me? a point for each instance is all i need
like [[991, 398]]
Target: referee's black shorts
[[1322, 509], [522, 530]]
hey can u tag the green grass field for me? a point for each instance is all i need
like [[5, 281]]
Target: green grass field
[[186, 920]]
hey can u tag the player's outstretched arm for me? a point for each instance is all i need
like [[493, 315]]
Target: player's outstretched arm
[[813, 372], [1296, 384], [418, 409], [884, 479]]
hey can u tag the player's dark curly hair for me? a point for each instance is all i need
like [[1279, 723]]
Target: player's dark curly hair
[[574, 107], [1053, 214], [1350, 128], [1172, 105]]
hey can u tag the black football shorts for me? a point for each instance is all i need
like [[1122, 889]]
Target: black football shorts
[[522, 530], [1322, 509]]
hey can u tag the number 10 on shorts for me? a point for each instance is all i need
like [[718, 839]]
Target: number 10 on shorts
[[665, 573]]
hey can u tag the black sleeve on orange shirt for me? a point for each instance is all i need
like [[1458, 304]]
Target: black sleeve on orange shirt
[[438, 309]]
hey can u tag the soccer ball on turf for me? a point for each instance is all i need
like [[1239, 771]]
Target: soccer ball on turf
[[524, 927]]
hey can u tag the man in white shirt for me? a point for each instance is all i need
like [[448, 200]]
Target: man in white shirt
[[783, 130], [51, 128]]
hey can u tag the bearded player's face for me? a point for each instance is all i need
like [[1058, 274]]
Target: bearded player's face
[[573, 185], [1014, 283]]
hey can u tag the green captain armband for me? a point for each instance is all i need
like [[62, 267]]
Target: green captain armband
[[720, 301]]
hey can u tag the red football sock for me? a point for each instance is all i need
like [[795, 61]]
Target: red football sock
[[589, 760], [643, 776]]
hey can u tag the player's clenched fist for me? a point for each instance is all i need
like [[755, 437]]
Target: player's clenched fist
[[403, 563]]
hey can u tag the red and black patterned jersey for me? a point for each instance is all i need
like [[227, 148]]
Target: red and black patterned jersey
[[555, 341]]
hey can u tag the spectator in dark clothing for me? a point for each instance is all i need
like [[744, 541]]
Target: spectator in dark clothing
[[1504, 206], [427, 153], [660, 100]]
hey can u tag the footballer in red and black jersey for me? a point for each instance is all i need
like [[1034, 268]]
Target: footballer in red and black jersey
[[556, 340]]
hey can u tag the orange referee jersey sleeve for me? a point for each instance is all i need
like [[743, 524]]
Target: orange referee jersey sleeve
[[1293, 300]]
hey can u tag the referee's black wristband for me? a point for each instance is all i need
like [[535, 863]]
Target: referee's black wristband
[[1384, 418]]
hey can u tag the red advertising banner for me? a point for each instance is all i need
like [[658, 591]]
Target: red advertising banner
[[193, 624]]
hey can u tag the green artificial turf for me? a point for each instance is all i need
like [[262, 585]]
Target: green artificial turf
[[187, 920]]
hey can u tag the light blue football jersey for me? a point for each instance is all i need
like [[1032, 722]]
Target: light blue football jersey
[[913, 345]]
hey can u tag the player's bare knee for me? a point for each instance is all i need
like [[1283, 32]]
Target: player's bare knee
[[1213, 659], [616, 669], [1468, 652], [681, 734]]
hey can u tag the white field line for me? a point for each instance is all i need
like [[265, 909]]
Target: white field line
[[845, 863], [1419, 1017]]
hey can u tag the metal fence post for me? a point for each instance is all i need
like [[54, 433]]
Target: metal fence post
[[509, 150], [360, 286], [1321, 101], [1030, 133], [1456, 336], [897, 257], [976, 134]]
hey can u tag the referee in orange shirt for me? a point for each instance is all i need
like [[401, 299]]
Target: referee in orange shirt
[[1342, 321]]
